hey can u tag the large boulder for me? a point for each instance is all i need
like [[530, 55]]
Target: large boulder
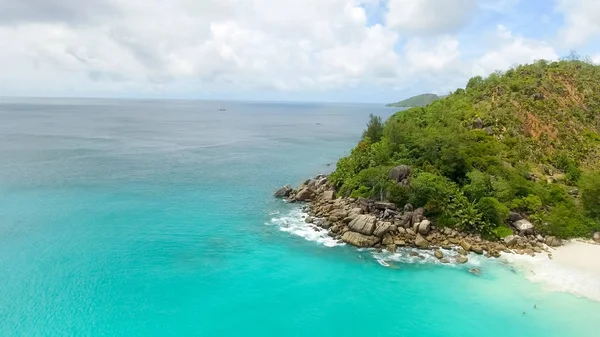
[[400, 173], [424, 227], [328, 195], [510, 240], [438, 254], [417, 215], [596, 237], [421, 242], [359, 240], [461, 259], [553, 241], [284, 192], [524, 226], [465, 245], [513, 216], [304, 194], [382, 228], [364, 224]]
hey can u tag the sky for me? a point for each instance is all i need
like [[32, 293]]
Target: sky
[[279, 50]]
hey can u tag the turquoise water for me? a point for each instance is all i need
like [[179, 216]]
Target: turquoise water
[[155, 218]]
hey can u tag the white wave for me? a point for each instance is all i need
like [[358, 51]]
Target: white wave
[[560, 274], [420, 256], [294, 223]]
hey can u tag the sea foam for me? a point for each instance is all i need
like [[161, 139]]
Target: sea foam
[[294, 223]]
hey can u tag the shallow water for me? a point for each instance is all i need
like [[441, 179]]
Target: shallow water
[[155, 218]]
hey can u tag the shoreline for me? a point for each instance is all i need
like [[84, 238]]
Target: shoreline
[[571, 266]]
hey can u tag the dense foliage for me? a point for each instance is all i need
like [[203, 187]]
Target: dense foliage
[[527, 140], [415, 101]]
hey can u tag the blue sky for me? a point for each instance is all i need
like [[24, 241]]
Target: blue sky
[[305, 50]]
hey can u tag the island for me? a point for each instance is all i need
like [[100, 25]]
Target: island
[[415, 101]]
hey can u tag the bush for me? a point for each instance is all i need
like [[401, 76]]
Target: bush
[[502, 232], [589, 187], [480, 185], [528, 204], [430, 190], [492, 210], [567, 221]]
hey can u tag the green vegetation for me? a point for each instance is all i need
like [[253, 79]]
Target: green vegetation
[[527, 140], [415, 101]]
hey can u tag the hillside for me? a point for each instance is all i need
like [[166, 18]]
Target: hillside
[[415, 101], [525, 141]]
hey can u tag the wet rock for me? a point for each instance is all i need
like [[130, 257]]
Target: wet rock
[[477, 250], [439, 254], [284, 192], [364, 224], [465, 245], [387, 239], [309, 219], [461, 259], [391, 248], [421, 242], [475, 271], [359, 240]]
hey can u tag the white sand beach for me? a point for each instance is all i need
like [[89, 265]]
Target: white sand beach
[[573, 267]]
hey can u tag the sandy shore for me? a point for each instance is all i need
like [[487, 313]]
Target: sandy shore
[[573, 267]]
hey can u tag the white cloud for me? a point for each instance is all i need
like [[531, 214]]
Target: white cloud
[[509, 50], [429, 17], [582, 21]]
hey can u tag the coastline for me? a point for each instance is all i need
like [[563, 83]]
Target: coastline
[[405, 235]]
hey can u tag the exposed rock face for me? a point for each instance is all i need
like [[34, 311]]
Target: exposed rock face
[[524, 226], [305, 194], [328, 195], [510, 240], [400, 173], [424, 227], [284, 192], [364, 224], [359, 240], [382, 228], [421, 242]]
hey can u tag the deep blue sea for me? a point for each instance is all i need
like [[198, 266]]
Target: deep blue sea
[[156, 218]]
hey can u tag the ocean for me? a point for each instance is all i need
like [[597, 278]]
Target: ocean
[[156, 218]]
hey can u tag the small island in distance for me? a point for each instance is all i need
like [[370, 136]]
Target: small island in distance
[[415, 101]]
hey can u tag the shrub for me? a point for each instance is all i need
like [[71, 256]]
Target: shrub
[[430, 190], [567, 221], [590, 194], [480, 185], [492, 210], [502, 232], [528, 204]]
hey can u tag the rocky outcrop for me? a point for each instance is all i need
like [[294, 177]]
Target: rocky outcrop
[[284, 192], [359, 240], [364, 224], [383, 225], [553, 241]]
